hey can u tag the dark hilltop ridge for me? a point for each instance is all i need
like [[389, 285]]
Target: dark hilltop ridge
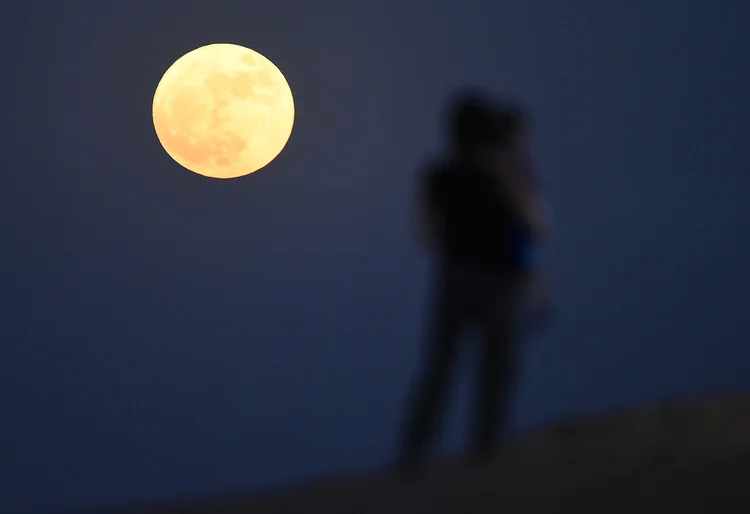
[[688, 456]]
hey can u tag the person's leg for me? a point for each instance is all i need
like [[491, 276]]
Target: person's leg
[[497, 366], [439, 359]]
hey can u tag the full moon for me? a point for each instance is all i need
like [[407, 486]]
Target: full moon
[[223, 111]]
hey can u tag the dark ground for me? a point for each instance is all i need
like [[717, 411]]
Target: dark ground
[[692, 457]]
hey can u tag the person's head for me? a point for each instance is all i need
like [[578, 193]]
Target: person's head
[[469, 121], [479, 126], [512, 124]]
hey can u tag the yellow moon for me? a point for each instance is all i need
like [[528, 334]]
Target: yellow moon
[[223, 111]]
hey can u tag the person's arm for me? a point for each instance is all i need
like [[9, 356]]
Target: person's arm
[[539, 214], [546, 221], [525, 197], [541, 211], [523, 203]]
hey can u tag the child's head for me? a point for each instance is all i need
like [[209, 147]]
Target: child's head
[[470, 120], [511, 125], [485, 130]]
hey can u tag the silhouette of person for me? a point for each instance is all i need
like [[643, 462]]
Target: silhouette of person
[[516, 168], [477, 219]]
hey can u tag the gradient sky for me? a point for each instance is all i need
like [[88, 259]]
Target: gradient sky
[[166, 335]]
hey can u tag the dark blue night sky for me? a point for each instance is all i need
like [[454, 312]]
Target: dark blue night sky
[[164, 335]]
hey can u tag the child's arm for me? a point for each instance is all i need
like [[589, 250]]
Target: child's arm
[[524, 193], [539, 211]]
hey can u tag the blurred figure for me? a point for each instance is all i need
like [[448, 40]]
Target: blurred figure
[[518, 174], [479, 216]]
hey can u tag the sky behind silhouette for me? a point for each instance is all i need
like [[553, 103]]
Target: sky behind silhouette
[[164, 334]]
